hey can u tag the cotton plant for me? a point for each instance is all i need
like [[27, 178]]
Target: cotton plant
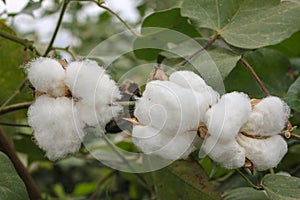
[[69, 98]]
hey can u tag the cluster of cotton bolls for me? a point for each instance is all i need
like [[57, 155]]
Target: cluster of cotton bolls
[[68, 99], [170, 112]]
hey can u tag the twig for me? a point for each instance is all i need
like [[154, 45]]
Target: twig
[[7, 148], [257, 187], [100, 182], [66, 49], [14, 107], [208, 44], [26, 43], [14, 124], [61, 15], [16, 92], [260, 83], [294, 136]]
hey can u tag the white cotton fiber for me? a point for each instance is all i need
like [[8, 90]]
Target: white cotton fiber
[[226, 153], [268, 117], [168, 107], [154, 142], [56, 126], [190, 80], [47, 75], [264, 153], [95, 90], [225, 118]]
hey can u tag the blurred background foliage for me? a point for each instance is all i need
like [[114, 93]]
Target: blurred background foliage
[[82, 177]]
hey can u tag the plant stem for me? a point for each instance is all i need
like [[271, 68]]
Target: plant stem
[[66, 49], [208, 44], [14, 124], [260, 83], [7, 148], [248, 181], [26, 43], [100, 182], [16, 92], [14, 107], [61, 15]]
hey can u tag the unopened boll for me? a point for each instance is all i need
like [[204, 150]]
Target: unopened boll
[[225, 118], [268, 117], [47, 75], [56, 126], [228, 153], [95, 91], [264, 153]]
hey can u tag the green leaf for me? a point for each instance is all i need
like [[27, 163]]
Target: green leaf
[[281, 187], [245, 193], [247, 24], [12, 55], [11, 185], [270, 66], [293, 96], [183, 180], [172, 29]]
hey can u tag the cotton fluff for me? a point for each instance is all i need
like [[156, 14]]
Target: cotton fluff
[[268, 117], [47, 75], [264, 153], [56, 126], [190, 80], [154, 142], [167, 112], [95, 90], [225, 118], [228, 153]]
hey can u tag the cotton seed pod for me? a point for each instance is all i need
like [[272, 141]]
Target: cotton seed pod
[[168, 107], [47, 76], [225, 118], [264, 153], [154, 142], [227, 153], [267, 118], [56, 126], [95, 91]]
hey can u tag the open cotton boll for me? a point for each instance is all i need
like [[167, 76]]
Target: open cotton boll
[[264, 153], [190, 80], [225, 118], [56, 126], [168, 107], [227, 153], [154, 142], [95, 90], [268, 117], [47, 75]]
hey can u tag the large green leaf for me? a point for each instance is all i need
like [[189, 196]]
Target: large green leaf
[[246, 23], [245, 193], [171, 28], [293, 96], [183, 180], [11, 185], [270, 66], [281, 187], [12, 55]]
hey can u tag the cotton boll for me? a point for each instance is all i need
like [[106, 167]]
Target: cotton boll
[[268, 117], [95, 91], [227, 153], [153, 142], [56, 126], [168, 107], [47, 75], [264, 153], [225, 118], [190, 80]]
